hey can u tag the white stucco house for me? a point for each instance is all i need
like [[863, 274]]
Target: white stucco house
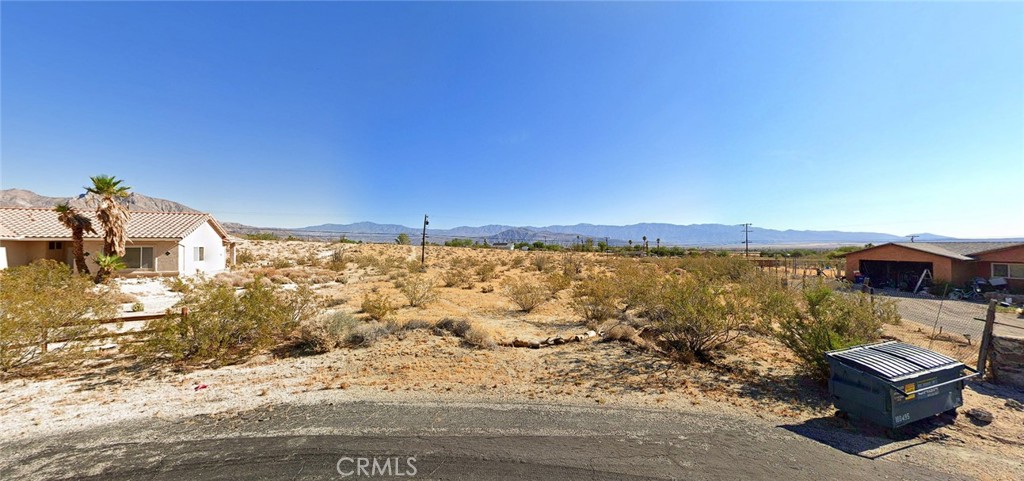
[[159, 243]]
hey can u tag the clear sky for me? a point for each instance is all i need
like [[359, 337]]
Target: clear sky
[[891, 117]]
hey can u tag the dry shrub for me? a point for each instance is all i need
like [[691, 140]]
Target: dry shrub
[[281, 263], [525, 293], [480, 336], [595, 299], [471, 333], [337, 261], [517, 261], [621, 332], [419, 290], [636, 281], [486, 271], [557, 282], [415, 324], [695, 317], [245, 256], [45, 302], [572, 265], [326, 332], [377, 305], [456, 277], [223, 326], [458, 327], [830, 320], [543, 262], [368, 333]]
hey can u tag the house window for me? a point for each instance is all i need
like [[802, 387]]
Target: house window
[[199, 253], [55, 246], [1011, 271], [138, 257]]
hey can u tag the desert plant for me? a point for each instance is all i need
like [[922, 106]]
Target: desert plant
[[244, 256], [542, 262], [831, 320], [43, 303], [486, 271], [403, 239], [214, 323], [456, 277], [557, 282], [108, 264], [377, 305], [138, 307], [695, 318], [79, 225], [419, 290], [113, 213], [527, 295], [368, 333], [595, 299], [326, 332]]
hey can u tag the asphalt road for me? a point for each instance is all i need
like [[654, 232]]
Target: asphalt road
[[451, 441]]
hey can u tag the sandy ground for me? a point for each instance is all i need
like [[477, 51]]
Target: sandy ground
[[757, 378]]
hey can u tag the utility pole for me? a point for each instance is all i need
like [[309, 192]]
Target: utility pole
[[912, 237], [746, 240], [423, 253]]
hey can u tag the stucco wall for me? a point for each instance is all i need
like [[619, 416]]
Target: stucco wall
[[215, 256], [22, 253], [1015, 255], [943, 267], [162, 264], [1006, 361]]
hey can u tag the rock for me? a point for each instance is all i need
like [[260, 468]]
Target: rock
[[520, 343], [1015, 404], [534, 344], [980, 415]]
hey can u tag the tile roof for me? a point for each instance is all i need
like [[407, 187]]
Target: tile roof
[[955, 250], [29, 223]]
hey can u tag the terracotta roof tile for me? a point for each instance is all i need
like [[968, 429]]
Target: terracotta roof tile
[[26, 223]]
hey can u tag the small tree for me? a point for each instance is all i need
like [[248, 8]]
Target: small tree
[[524, 293], [403, 239], [79, 225], [695, 317], [43, 303]]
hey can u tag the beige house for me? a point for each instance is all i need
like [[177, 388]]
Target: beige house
[[159, 243]]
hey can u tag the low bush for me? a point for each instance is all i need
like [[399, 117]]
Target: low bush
[[326, 332], [244, 256], [595, 299], [458, 327], [543, 262], [456, 277], [557, 282], [831, 320], [42, 303], [367, 334], [527, 295], [223, 326], [377, 305], [419, 290], [486, 271], [695, 318]]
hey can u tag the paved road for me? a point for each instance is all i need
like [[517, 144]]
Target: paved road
[[460, 442]]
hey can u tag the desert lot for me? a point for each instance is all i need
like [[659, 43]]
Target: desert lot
[[754, 377]]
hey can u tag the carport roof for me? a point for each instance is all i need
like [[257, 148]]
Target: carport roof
[[954, 250]]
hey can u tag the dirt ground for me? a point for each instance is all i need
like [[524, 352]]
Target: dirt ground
[[756, 377]]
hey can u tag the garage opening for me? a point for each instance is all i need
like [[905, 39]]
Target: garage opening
[[894, 274]]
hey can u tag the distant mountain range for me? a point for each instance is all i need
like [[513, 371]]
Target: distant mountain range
[[718, 235], [136, 201], [700, 235]]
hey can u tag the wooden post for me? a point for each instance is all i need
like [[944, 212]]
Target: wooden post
[[986, 338]]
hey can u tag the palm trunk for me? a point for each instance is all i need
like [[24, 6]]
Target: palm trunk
[[78, 250]]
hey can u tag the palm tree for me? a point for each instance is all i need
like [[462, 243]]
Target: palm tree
[[113, 214], [79, 225], [108, 264]]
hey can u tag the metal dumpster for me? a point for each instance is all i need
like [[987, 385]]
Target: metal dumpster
[[893, 384]]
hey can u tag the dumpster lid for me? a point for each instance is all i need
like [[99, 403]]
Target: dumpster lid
[[893, 360]]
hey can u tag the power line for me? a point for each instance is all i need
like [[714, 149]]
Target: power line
[[746, 240]]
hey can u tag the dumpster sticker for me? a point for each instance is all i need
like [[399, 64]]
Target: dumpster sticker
[[927, 393]]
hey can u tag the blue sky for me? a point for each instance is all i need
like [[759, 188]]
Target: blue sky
[[890, 117]]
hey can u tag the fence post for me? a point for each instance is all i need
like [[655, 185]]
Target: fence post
[[986, 338]]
